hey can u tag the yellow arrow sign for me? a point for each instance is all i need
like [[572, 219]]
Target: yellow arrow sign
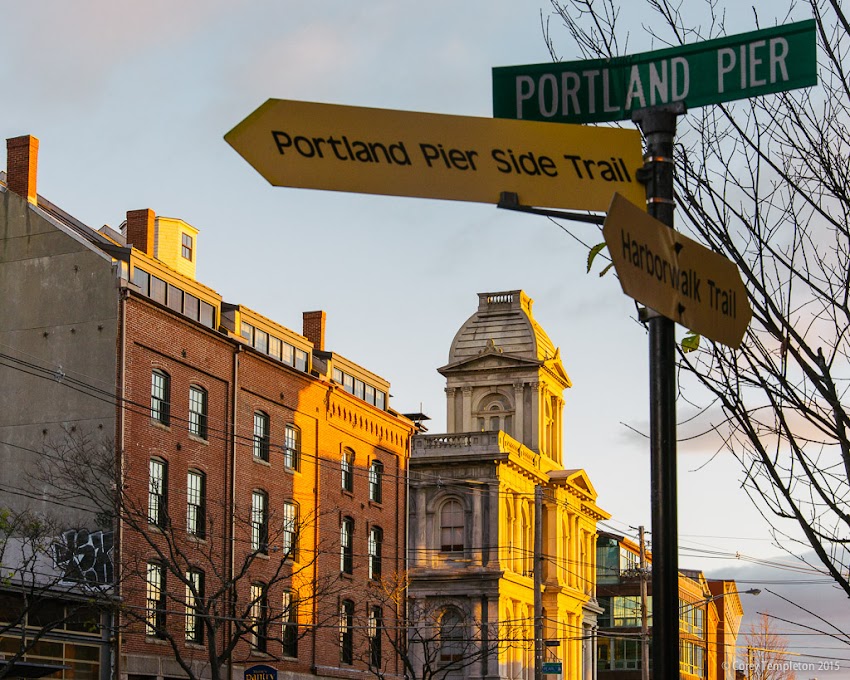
[[676, 276], [402, 153]]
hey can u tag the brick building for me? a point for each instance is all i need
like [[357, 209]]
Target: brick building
[[250, 480]]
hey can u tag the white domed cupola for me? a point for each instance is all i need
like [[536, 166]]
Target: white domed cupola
[[505, 374]]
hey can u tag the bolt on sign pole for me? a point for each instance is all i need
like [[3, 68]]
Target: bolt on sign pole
[[658, 125]]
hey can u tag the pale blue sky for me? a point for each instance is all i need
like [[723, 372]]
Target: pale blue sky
[[131, 101]]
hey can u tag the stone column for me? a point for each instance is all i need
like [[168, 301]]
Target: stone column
[[533, 440], [519, 413], [451, 395], [467, 409]]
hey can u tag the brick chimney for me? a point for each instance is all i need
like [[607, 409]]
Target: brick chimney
[[314, 329], [22, 166], [140, 229]]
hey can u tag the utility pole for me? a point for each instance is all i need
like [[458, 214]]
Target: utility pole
[[644, 613], [538, 582]]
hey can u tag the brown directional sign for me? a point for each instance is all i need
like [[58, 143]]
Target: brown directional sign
[[676, 276]]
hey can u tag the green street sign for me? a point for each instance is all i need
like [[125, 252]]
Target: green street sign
[[552, 668], [735, 67]]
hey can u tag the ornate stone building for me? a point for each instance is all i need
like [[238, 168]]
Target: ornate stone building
[[471, 516]]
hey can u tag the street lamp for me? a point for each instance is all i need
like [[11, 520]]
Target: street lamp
[[705, 602]]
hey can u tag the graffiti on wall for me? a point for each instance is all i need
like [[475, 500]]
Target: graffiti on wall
[[85, 557]]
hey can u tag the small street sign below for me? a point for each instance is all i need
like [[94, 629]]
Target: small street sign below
[[676, 276], [552, 668], [709, 72]]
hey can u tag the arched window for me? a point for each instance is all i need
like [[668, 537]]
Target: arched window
[[261, 435], [289, 617], [292, 447], [259, 521], [259, 616], [160, 396], [194, 596], [196, 489], [346, 632], [290, 530], [346, 545], [198, 411], [451, 526], [376, 541], [452, 636], [158, 492], [494, 413], [376, 481], [375, 626], [346, 465]]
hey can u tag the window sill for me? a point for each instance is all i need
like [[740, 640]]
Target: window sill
[[199, 440], [260, 461], [150, 639], [159, 425], [195, 645], [376, 504]]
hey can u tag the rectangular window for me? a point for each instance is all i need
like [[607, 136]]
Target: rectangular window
[[359, 389], [261, 341], [198, 411], [292, 447], [175, 298], [370, 394], [194, 599], [157, 486], [247, 332], [346, 632], [301, 360], [207, 314], [160, 396], [142, 279], [625, 611], [195, 502], [346, 465], [337, 376], [381, 400], [346, 546], [376, 481], [191, 306], [186, 246], [158, 289], [259, 522], [155, 601], [290, 530], [261, 435], [451, 527], [275, 347], [259, 617], [376, 540], [289, 617], [348, 383], [288, 356]]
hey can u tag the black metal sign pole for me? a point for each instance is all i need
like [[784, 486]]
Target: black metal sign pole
[[658, 125]]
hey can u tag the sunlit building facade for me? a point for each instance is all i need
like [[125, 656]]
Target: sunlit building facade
[[710, 613], [254, 479], [472, 509]]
